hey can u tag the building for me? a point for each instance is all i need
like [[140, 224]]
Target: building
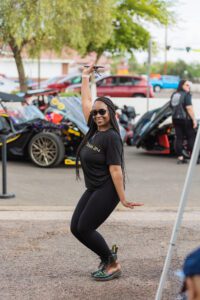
[[49, 64]]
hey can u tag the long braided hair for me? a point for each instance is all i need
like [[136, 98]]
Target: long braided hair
[[93, 128]]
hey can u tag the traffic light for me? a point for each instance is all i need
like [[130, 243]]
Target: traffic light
[[168, 47], [188, 49]]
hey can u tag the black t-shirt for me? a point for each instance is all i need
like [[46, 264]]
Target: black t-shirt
[[102, 150], [187, 102], [187, 99]]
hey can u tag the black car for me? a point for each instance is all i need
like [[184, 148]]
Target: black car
[[31, 136], [154, 131]]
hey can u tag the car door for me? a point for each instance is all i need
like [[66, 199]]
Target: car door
[[4, 126], [106, 86], [168, 82], [125, 86]]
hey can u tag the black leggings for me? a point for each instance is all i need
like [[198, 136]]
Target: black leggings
[[92, 210], [184, 129]]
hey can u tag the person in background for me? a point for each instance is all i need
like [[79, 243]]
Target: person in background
[[183, 119], [191, 273]]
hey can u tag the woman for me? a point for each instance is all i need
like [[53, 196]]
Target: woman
[[183, 119], [101, 155]]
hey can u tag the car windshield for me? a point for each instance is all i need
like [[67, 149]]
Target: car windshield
[[63, 79], [52, 80], [25, 114], [73, 79]]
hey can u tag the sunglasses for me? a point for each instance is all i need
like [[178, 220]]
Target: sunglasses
[[101, 112]]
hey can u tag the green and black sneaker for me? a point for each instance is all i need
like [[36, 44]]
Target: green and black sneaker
[[104, 263]]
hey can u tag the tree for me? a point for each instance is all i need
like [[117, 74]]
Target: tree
[[51, 24], [129, 31], [180, 68]]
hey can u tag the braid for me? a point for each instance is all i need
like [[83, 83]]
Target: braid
[[92, 129]]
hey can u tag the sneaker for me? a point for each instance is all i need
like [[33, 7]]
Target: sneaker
[[104, 276], [103, 263], [181, 161]]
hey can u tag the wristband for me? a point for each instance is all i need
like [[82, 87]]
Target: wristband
[[85, 76]]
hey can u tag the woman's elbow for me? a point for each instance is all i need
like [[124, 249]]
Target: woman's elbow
[[115, 170]]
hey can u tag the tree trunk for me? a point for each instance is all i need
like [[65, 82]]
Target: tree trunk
[[99, 54], [19, 63]]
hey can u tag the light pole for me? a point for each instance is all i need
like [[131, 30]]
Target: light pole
[[149, 71], [166, 49]]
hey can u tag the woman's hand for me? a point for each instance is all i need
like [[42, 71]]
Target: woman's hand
[[194, 123], [88, 70], [131, 204]]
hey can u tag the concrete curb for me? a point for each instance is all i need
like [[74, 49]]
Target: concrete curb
[[71, 208], [116, 216]]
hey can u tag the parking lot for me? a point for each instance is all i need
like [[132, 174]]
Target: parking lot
[[40, 259], [155, 180]]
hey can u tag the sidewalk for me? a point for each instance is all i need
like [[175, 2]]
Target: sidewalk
[[40, 259]]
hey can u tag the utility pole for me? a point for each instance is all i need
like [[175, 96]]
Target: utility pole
[[39, 53], [39, 70], [166, 49]]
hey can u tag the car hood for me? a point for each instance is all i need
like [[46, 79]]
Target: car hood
[[149, 122]]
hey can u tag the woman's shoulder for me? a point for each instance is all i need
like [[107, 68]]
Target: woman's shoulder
[[112, 132], [112, 135], [188, 95]]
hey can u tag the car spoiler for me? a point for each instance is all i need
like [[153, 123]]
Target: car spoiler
[[40, 92], [5, 97]]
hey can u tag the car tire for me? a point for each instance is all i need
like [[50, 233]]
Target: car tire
[[46, 150], [139, 95], [157, 89]]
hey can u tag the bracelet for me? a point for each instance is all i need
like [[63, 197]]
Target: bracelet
[[85, 76]]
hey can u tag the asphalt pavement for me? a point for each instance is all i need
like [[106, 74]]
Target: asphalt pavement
[[40, 259], [155, 180]]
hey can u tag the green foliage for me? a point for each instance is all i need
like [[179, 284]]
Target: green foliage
[[135, 67], [99, 25], [190, 71], [181, 68], [53, 24], [90, 25], [129, 31]]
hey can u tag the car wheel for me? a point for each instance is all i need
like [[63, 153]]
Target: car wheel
[[157, 88], [139, 95], [46, 150]]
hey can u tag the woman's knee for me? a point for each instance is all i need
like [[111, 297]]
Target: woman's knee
[[78, 229], [82, 227]]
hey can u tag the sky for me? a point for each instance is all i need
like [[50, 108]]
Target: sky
[[185, 33]]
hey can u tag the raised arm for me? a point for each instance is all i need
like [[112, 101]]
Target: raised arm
[[85, 92]]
